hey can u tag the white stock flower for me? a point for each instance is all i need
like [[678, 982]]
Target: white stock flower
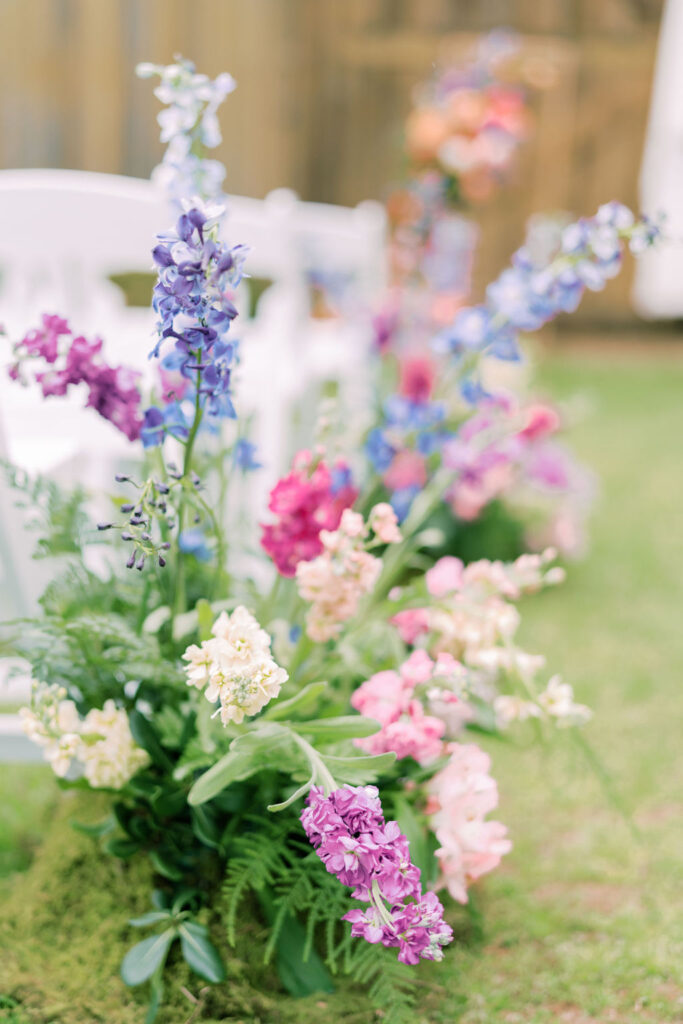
[[511, 708], [109, 754], [558, 701], [235, 666]]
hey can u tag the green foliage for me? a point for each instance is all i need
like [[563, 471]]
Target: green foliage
[[57, 518]]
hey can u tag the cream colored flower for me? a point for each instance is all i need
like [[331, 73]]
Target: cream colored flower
[[235, 667]]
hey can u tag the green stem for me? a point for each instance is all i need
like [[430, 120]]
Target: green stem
[[179, 597]]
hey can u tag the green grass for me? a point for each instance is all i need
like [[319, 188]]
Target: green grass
[[582, 923]]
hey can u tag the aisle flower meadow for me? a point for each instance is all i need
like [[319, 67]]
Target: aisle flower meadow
[[228, 722]]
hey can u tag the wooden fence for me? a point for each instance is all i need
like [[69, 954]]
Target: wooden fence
[[324, 86]]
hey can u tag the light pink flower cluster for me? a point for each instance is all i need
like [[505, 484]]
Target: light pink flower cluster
[[337, 579], [460, 797], [399, 702], [471, 611], [311, 498]]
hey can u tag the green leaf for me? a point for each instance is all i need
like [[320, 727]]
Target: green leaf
[[345, 727], [414, 831], [123, 848], [152, 917], [165, 866], [300, 977], [102, 828], [199, 953], [146, 737], [295, 796], [185, 624], [156, 619], [361, 769], [304, 702], [140, 962], [205, 619], [267, 746], [232, 767]]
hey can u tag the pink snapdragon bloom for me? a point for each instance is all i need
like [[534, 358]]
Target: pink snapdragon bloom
[[461, 795], [311, 498], [336, 580]]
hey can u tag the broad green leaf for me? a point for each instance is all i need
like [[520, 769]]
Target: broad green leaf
[[358, 770], [146, 957], [268, 746], [345, 727], [156, 619], [200, 953], [303, 702], [300, 977], [185, 624], [232, 767], [151, 917]]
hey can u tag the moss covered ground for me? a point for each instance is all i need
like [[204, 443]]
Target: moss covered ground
[[583, 922]]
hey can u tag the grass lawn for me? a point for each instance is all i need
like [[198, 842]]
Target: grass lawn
[[583, 923]]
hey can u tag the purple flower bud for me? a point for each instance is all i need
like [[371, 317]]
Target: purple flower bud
[[104, 526], [162, 561], [140, 563], [131, 561]]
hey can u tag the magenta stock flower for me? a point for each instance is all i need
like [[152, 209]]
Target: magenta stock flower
[[348, 831], [309, 499], [112, 390]]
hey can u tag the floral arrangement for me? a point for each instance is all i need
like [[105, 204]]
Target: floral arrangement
[[439, 399], [305, 749]]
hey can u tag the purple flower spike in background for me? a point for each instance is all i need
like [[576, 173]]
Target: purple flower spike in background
[[348, 831]]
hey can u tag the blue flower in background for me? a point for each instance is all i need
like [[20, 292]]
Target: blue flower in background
[[401, 501], [379, 451], [530, 293], [244, 454], [193, 542]]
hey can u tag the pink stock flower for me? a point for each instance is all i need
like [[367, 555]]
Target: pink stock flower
[[408, 469], [309, 499], [461, 795], [397, 700], [336, 580], [384, 523], [411, 623], [445, 576]]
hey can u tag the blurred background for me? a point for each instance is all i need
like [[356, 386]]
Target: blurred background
[[324, 90]]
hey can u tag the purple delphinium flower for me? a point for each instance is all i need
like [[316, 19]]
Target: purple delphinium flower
[[348, 832], [195, 311], [189, 125], [245, 453]]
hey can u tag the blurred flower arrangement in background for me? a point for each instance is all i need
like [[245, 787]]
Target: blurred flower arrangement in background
[[307, 745]]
